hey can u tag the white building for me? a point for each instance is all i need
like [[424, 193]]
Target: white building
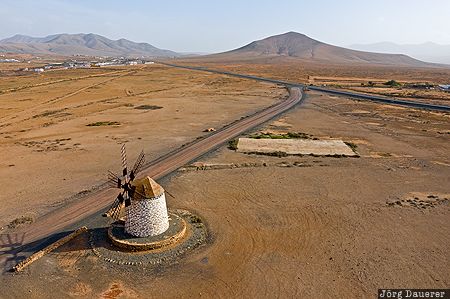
[[444, 87]]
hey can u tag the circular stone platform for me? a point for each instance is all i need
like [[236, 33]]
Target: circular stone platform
[[120, 238], [188, 233]]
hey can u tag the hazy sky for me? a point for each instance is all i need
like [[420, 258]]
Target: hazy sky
[[212, 26]]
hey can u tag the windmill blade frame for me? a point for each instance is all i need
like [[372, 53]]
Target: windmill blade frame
[[123, 153], [124, 182], [137, 167], [116, 207], [114, 180]]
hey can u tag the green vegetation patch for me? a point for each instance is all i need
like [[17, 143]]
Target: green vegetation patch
[[232, 144], [392, 83], [289, 135], [49, 113], [103, 123], [148, 107], [20, 221], [352, 146], [194, 219]]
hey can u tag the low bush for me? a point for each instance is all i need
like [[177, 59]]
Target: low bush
[[103, 123]]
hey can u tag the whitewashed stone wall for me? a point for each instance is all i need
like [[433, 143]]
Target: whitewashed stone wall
[[147, 217]]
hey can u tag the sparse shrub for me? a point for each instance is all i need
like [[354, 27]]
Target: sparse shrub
[[392, 83], [278, 154], [289, 135], [195, 219], [352, 146], [232, 144], [384, 154], [103, 123], [148, 107], [20, 221]]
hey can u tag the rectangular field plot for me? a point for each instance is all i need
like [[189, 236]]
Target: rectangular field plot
[[294, 146]]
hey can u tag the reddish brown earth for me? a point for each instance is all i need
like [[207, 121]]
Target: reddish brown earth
[[93, 203], [44, 132], [303, 227]]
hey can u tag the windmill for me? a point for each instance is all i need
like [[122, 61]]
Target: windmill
[[143, 201], [124, 182]]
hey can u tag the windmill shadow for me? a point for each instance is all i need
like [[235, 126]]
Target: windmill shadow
[[13, 251], [10, 250]]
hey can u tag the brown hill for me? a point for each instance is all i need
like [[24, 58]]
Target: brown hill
[[80, 44], [298, 46]]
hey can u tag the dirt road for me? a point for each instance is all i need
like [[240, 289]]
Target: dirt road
[[92, 203]]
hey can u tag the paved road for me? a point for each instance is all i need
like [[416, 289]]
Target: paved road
[[85, 208], [361, 96]]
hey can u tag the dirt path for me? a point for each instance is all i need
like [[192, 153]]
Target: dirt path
[[59, 81], [14, 118], [91, 204]]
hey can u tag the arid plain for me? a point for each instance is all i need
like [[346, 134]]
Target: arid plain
[[295, 226], [61, 131], [353, 77]]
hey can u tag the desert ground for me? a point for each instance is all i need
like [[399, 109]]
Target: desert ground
[[348, 77], [61, 131], [287, 227]]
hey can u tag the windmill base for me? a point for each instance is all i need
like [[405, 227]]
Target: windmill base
[[175, 232], [122, 249]]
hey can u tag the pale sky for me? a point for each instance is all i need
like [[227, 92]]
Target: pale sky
[[214, 26]]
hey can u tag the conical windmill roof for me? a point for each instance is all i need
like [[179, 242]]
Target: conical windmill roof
[[146, 188]]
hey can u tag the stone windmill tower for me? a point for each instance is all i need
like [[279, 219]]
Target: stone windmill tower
[[141, 203], [147, 214]]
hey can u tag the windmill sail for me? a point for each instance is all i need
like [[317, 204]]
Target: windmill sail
[[139, 163], [124, 160], [124, 182]]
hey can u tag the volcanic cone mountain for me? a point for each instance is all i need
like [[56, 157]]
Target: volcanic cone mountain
[[293, 45]]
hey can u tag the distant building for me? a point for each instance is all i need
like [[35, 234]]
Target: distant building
[[9, 60], [444, 87], [420, 86]]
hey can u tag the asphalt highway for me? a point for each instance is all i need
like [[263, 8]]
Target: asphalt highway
[[360, 96]]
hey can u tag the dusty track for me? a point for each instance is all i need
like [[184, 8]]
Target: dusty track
[[61, 81], [14, 118], [91, 204]]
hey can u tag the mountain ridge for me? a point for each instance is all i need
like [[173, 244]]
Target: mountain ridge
[[427, 51], [89, 44]]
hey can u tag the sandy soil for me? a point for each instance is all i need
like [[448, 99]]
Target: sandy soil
[[50, 153], [295, 227]]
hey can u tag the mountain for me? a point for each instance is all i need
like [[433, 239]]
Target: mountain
[[298, 46], [80, 44], [429, 51]]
